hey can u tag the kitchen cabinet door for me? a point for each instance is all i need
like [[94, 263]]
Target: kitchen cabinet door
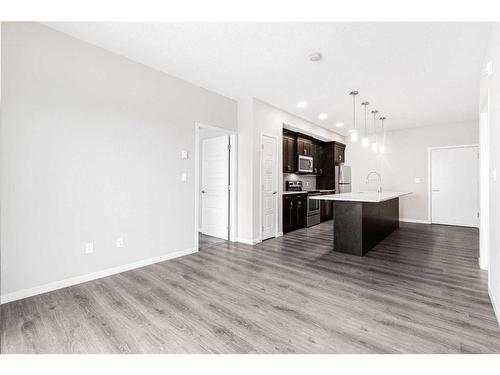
[[300, 211], [304, 146], [289, 154], [288, 213], [318, 159], [339, 153], [326, 210]]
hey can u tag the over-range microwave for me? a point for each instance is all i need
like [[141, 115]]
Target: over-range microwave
[[305, 164]]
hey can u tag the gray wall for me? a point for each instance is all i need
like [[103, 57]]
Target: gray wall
[[90, 151]]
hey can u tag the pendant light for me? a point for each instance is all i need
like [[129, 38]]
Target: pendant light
[[353, 131], [374, 143], [365, 141], [382, 146]]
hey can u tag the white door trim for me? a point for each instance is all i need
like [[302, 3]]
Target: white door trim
[[264, 134], [429, 173], [261, 200], [232, 180], [484, 186]]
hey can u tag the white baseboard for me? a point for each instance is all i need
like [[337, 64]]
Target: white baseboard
[[245, 241], [248, 241], [279, 234], [417, 221], [496, 308], [29, 292]]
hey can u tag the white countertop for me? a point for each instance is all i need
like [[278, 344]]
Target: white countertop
[[362, 196], [306, 191]]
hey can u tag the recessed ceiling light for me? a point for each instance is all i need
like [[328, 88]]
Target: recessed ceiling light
[[315, 56], [339, 124], [323, 116], [302, 104]]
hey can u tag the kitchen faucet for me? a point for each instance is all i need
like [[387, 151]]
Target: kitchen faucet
[[379, 188]]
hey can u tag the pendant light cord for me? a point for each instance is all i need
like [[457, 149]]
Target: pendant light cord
[[354, 112]]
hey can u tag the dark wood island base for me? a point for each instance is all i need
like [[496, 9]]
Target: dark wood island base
[[360, 226]]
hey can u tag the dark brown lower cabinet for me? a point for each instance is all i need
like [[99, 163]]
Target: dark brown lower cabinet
[[294, 211], [326, 208]]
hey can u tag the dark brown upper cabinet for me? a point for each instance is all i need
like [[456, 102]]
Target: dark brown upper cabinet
[[339, 153], [333, 154], [325, 155], [289, 152], [318, 158], [304, 146]]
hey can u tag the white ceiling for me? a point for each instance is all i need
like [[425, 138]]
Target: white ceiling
[[416, 74]]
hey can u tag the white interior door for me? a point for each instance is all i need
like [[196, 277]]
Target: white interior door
[[269, 187], [214, 187], [455, 186]]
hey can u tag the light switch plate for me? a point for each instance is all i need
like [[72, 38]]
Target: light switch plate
[[489, 68], [89, 247], [184, 154], [119, 242], [418, 180]]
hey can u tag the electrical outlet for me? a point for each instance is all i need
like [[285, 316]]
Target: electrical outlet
[[89, 248], [184, 155], [183, 176], [119, 242]]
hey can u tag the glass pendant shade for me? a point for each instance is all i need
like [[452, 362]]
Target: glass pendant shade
[[375, 147], [365, 141], [382, 149], [354, 136]]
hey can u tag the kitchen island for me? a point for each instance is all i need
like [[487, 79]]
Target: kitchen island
[[362, 220]]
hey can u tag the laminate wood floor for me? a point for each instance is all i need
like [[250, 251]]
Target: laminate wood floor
[[419, 291], [205, 241]]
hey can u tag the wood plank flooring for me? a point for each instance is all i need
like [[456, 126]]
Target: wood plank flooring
[[418, 291], [205, 241]]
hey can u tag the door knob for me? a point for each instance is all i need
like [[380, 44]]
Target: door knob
[[203, 192], [275, 192]]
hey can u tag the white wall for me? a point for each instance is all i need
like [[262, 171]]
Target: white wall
[[406, 158], [492, 83], [90, 151]]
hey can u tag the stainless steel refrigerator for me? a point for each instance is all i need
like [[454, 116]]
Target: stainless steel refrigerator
[[342, 179]]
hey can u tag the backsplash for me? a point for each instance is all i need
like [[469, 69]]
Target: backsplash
[[308, 182]]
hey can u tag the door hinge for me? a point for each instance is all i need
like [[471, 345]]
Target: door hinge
[[263, 228], [229, 146], [478, 214], [229, 187]]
